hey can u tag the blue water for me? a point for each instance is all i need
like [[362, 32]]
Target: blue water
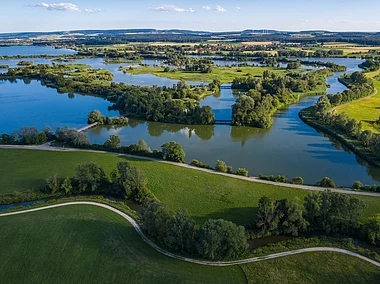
[[33, 50]]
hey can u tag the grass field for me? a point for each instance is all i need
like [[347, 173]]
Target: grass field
[[224, 74], [87, 244], [204, 195], [367, 110], [315, 267]]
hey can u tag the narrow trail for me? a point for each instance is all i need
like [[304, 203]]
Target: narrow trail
[[47, 147], [196, 261]]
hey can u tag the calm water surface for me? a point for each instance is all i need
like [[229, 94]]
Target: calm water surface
[[290, 147]]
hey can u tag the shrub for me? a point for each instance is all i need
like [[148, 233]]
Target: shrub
[[242, 172], [357, 185], [297, 180], [230, 170], [173, 151], [221, 166], [326, 182]]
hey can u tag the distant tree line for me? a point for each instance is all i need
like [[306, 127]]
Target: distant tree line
[[95, 116]]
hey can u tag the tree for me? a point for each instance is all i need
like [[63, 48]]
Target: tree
[[333, 212], [221, 239], [221, 166], [130, 183], [371, 230], [357, 185], [366, 137], [113, 142], [267, 217], [291, 218], [53, 184], [173, 151], [143, 146], [95, 116], [154, 219], [90, 177], [326, 182], [180, 232], [66, 186], [297, 180]]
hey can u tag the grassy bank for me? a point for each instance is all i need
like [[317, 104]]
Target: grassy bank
[[204, 195], [353, 144], [367, 110], [314, 267], [88, 244]]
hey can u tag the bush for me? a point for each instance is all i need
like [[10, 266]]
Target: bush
[[199, 164], [230, 170], [221, 166], [357, 185], [297, 180], [173, 151], [326, 182], [242, 172]]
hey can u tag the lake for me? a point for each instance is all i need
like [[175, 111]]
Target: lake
[[290, 147]]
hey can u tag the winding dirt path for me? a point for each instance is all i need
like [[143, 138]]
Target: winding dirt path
[[196, 261], [47, 147]]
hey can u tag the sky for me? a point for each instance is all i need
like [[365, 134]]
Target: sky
[[205, 15]]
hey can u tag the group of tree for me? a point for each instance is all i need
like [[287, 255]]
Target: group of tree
[[179, 104], [28, 136], [370, 65], [95, 116], [71, 136], [214, 240], [327, 212], [265, 95], [126, 182], [302, 53], [358, 185]]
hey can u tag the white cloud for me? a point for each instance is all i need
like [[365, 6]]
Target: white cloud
[[206, 8], [238, 8], [219, 8], [64, 7], [171, 8]]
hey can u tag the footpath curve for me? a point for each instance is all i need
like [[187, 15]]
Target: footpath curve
[[47, 147], [196, 261]]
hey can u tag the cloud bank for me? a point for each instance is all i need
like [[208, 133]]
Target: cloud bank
[[171, 8], [64, 7]]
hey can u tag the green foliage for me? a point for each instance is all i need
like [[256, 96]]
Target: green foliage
[[26, 136], [230, 170], [53, 184], [242, 172], [357, 185], [129, 183], [143, 146], [297, 180], [221, 166], [173, 151], [199, 164], [71, 136], [90, 177], [66, 186], [371, 230], [333, 212], [95, 116], [221, 239], [113, 142], [326, 182]]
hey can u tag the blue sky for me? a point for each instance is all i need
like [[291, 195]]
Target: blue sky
[[210, 15]]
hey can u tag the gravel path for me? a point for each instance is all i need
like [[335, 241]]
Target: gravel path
[[178, 257], [46, 147]]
